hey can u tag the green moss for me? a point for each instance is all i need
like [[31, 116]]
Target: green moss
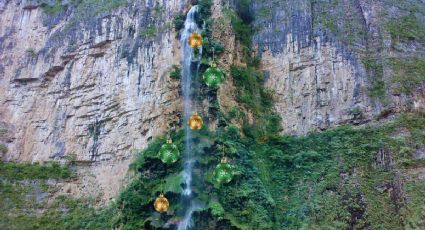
[[3, 149], [31, 52], [406, 28], [148, 32], [23, 192], [53, 9], [159, 10], [3, 131], [409, 74], [375, 71], [243, 30], [175, 72], [17, 171], [265, 13], [414, 211]]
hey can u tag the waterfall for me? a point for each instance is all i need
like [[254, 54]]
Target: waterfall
[[190, 68]]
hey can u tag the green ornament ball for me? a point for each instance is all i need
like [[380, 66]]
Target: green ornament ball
[[213, 76], [169, 153], [223, 173]]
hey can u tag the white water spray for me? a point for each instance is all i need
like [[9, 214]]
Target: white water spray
[[189, 69]]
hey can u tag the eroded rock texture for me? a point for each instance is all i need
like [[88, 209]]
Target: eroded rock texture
[[331, 62], [88, 83]]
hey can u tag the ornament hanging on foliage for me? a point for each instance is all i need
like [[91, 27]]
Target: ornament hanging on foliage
[[161, 204], [169, 153], [195, 40], [195, 121], [213, 76], [223, 172]]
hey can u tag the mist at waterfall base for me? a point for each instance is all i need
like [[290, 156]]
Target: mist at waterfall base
[[190, 68]]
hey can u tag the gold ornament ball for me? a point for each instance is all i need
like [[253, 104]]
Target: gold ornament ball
[[195, 121], [161, 204], [195, 40]]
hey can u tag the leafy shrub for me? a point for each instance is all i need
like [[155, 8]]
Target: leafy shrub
[[178, 21], [17, 171], [175, 72], [204, 10], [148, 32], [210, 45], [243, 31]]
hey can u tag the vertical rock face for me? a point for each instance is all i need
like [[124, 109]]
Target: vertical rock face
[[89, 81], [315, 87], [328, 63], [92, 86]]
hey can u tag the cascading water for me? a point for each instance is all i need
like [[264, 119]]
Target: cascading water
[[190, 66]]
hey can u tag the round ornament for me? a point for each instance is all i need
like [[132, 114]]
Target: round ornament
[[195, 40], [195, 121], [213, 76], [169, 153], [223, 172], [161, 204]]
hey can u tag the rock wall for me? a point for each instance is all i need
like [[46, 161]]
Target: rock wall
[[90, 81], [88, 87], [313, 54]]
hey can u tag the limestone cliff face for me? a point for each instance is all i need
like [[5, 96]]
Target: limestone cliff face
[[327, 61], [85, 85]]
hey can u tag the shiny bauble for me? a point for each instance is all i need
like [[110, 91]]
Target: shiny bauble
[[169, 153], [195, 40], [195, 122], [161, 204], [213, 77], [223, 172]]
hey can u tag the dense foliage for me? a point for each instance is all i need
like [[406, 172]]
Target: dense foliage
[[335, 179]]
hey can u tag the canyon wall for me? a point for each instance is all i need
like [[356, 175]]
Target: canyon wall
[[330, 62], [91, 82], [87, 83]]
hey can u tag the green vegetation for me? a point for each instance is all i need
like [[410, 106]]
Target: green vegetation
[[23, 192], [176, 72], [334, 179], [241, 22], [346, 24], [265, 12], [375, 70], [211, 45], [204, 9], [407, 28], [80, 5], [3, 148], [17, 171], [53, 9], [178, 21], [158, 10], [409, 74], [148, 32], [31, 52]]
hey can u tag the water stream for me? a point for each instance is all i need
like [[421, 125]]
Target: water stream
[[190, 68]]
